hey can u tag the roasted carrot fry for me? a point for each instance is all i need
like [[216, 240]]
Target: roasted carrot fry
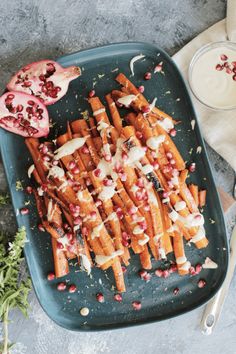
[[194, 191], [116, 119], [202, 198]]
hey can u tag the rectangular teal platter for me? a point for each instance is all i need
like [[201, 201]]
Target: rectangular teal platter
[[99, 69]]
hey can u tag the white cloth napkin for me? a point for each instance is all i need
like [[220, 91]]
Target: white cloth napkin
[[219, 128]]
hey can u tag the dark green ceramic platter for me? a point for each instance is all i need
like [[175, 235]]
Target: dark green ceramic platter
[[100, 67]]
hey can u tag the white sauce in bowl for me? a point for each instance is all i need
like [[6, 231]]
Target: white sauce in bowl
[[215, 88]]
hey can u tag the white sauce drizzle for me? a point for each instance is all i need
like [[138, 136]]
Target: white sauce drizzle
[[166, 124], [107, 192], [31, 170], [133, 60], [101, 259], [99, 111], [155, 141], [85, 263], [162, 253], [137, 230], [181, 260], [56, 172], [199, 235], [209, 264], [180, 205], [173, 215], [127, 100], [199, 150], [146, 169], [96, 231], [69, 147], [157, 237], [185, 266], [143, 241], [193, 122]]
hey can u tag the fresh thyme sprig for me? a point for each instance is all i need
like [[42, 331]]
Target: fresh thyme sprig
[[13, 291]]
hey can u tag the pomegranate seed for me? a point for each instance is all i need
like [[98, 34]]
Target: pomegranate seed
[[85, 150], [97, 172], [46, 158], [137, 305], [226, 65], [88, 181], [44, 187], [201, 283], [141, 89], [72, 288], [77, 208], [60, 245], [66, 226], [41, 77], [120, 105], [71, 207], [143, 225], [229, 71], [173, 268], [133, 210], [41, 228], [234, 77], [119, 213], [77, 220], [71, 164], [165, 273], [125, 236], [192, 271], [169, 155], [234, 70], [147, 76], [165, 195], [98, 203], [172, 162], [75, 170], [158, 68], [100, 297], [91, 93], [19, 108], [124, 156], [10, 96], [173, 132], [124, 269], [93, 215], [192, 167], [140, 183], [118, 297], [159, 273], [145, 109], [219, 67], [176, 291], [134, 217], [51, 276], [125, 243], [61, 287], [27, 84], [84, 231], [155, 165], [223, 57], [31, 103], [69, 236], [107, 182], [146, 207], [142, 273], [139, 135], [29, 189], [139, 195], [198, 268], [24, 211], [147, 277]]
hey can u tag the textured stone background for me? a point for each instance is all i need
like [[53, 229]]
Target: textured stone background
[[31, 30]]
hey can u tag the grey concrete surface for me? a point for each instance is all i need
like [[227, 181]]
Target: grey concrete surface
[[31, 30]]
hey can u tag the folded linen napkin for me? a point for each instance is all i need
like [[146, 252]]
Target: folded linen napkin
[[219, 128]]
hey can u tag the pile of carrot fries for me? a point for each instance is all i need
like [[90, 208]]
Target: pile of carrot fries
[[111, 185]]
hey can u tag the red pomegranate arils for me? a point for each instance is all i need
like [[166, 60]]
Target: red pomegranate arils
[[139, 135], [169, 155], [234, 77], [97, 172], [41, 228], [132, 210], [71, 165], [147, 76], [107, 182], [91, 93], [158, 68], [124, 269], [223, 57], [173, 268], [201, 283], [100, 297], [142, 273], [192, 271], [198, 268], [173, 132], [176, 291], [125, 235], [69, 236], [219, 67], [29, 189], [98, 203], [137, 305], [192, 167], [159, 273], [75, 170], [118, 297], [93, 215], [51, 276], [228, 71], [84, 231], [141, 89], [24, 211], [60, 245], [125, 243], [124, 156], [77, 220], [165, 273], [72, 288], [61, 286]]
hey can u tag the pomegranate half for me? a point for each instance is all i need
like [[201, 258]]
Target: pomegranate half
[[23, 114], [44, 79]]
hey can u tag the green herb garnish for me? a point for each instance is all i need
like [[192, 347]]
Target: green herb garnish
[[13, 291], [19, 186], [4, 199]]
